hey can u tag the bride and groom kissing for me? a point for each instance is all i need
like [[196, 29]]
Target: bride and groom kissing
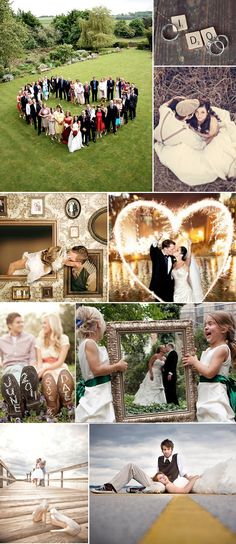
[[175, 276]]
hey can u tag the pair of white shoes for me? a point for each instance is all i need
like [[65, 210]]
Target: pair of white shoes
[[58, 519]]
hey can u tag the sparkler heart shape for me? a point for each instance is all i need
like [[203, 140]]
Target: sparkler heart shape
[[176, 220]]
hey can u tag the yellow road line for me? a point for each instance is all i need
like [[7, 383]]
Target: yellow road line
[[185, 522]]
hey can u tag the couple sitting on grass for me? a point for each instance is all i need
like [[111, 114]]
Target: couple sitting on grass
[[26, 360], [171, 477]]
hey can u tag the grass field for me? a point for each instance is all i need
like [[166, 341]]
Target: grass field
[[115, 163]]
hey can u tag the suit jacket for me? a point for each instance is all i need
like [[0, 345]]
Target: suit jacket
[[92, 83], [161, 281], [110, 84], [170, 364], [112, 113]]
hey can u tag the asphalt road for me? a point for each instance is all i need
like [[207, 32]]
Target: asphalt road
[[125, 519]]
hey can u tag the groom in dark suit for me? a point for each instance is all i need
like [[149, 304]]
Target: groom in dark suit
[[162, 259], [170, 374]]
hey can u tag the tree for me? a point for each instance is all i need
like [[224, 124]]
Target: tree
[[28, 19], [69, 25], [138, 26], [63, 53], [97, 31], [13, 34], [123, 30]]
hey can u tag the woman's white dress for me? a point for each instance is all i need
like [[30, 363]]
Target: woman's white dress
[[37, 269], [213, 402], [102, 87], [152, 391], [204, 165], [218, 479], [96, 405], [182, 290], [37, 474], [49, 352], [75, 142]]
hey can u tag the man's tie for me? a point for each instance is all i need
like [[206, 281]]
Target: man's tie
[[167, 462]]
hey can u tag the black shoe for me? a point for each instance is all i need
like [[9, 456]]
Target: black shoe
[[135, 489], [29, 383], [106, 488], [11, 393]]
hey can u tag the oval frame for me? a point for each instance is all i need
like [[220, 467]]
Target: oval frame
[[91, 225], [72, 199]]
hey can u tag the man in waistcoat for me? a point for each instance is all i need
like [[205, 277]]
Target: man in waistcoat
[[171, 464], [84, 272]]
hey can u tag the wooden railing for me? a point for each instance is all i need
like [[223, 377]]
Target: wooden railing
[[62, 479], [5, 474]]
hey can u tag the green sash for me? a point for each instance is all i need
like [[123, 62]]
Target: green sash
[[80, 389], [230, 384]]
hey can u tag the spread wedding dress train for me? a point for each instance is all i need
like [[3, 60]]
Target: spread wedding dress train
[[204, 165], [218, 479]]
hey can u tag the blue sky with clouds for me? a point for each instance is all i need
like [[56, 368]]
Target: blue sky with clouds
[[201, 445], [56, 7], [60, 444]]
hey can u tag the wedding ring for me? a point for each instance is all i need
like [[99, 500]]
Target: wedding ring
[[169, 32], [224, 39], [215, 47]]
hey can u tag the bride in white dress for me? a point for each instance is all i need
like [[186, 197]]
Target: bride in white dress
[[194, 157], [151, 390], [186, 275], [75, 137]]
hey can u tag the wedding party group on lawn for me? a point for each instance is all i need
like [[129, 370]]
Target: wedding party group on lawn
[[107, 104], [196, 140], [31, 366], [216, 400]]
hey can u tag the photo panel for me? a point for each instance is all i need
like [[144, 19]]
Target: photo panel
[[194, 128], [172, 247], [133, 463], [194, 33], [37, 362], [152, 363], [53, 246], [44, 483]]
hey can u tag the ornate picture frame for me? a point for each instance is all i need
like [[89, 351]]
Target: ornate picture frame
[[94, 225], [114, 332], [72, 208], [96, 257]]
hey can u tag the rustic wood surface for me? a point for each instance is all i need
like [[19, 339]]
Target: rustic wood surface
[[200, 14], [17, 502]]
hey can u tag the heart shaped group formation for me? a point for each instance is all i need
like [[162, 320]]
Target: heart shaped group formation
[[175, 220]]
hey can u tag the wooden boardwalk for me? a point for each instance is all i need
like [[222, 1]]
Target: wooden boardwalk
[[17, 502], [200, 14]]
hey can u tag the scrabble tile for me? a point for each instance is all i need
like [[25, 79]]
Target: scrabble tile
[[194, 40], [180, 22], [208, 34]]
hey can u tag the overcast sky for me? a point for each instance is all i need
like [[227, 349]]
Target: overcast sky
[[56, 7], [201, 445], [60, 444]]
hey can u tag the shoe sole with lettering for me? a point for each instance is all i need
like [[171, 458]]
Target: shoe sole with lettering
[[29, 383], [11, 393]]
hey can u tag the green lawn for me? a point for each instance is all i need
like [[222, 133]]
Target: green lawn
[[115, 163]]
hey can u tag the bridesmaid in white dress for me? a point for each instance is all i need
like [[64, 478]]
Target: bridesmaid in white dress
[[151, 390], [182, 291], [94, 391], [213, 404]]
